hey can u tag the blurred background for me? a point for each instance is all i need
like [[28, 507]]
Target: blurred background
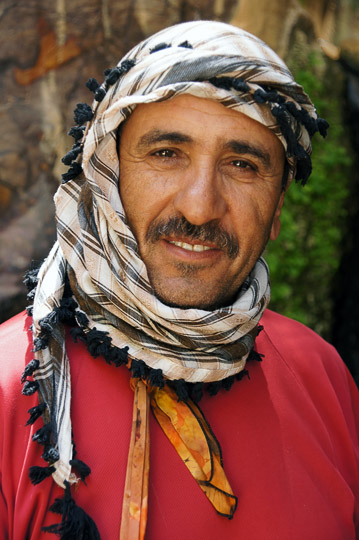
[[48, 50]]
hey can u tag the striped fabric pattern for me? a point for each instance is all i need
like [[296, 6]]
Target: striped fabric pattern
[[98, 251]]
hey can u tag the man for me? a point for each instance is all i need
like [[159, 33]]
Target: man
[[174, 189]]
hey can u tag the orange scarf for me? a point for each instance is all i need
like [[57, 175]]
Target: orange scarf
[[187, 429]]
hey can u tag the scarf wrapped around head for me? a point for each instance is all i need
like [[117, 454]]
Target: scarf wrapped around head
[[94, 275]]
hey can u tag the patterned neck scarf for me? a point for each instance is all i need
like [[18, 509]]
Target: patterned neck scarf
[[94, 276]]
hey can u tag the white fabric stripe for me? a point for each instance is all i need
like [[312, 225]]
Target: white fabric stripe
[[95, 242]]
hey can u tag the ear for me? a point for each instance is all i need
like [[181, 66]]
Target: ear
[[275, 229]]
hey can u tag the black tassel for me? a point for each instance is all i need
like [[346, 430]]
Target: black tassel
[[259, 96], [227, 383], [40, 343], [302, 116], [155, 378], [95, 87], [98, 343], [74, 170], [221, 82], [81, 467], [229, 82], [72, 154], [67, 289], [322, 126], [282, 117], [126, 65], [92, 84], [75, 523], [117, 356], [31, 279], [160, 47], [214, 387], [66, 310], [50, 455], [196, 391], [181, 388], [38, 474], [81, 319], [31, 295], [112, 75], [35, 413], [82, 113], [100, 93], [240, 86], [244, 373], [186, 45], [42, 435], [303, 170], [78, 333], [77, 132], [139, 369], [29, 369], [254, 355], [48, 322], [262, 96], [30, 388]]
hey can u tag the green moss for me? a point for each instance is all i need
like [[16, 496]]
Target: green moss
[[307, 253]]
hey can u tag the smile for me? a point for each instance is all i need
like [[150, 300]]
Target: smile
[[190, 247]]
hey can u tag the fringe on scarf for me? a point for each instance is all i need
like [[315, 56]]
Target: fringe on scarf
[[75, 523]]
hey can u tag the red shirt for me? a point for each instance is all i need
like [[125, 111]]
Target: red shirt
[[289, 439]]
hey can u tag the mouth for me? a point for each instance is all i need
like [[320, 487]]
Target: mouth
[[191, 250], [182, 237], [190, 247]]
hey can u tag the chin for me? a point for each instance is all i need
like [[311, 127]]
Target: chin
[[195, 303], [190, 293]]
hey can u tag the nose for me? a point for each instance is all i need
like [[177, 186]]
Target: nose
[[199, 198]]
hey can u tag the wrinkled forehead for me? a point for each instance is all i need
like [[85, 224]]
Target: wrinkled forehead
[[208, 60]]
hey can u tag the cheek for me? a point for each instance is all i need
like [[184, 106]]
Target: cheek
[[144, 196], [252, 215]]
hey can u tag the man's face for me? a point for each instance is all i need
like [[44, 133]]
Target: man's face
[[201, 188]]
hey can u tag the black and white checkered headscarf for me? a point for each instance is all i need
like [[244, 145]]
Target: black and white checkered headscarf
[[97, 251]]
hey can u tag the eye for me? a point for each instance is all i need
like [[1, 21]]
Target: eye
[[241, 164], [164, 153]]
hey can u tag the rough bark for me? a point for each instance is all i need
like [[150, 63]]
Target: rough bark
[[47, 52]]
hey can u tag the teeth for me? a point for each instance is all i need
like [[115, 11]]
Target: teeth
[[191, 247]]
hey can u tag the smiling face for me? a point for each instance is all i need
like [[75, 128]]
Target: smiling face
[[201, 188]]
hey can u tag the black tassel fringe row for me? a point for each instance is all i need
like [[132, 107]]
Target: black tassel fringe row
[[282, 110], [75, 523]]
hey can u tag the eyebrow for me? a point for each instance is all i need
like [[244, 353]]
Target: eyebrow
[[240, 147], [158, 135]]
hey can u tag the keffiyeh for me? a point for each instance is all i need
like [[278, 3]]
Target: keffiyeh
[[94, 276]]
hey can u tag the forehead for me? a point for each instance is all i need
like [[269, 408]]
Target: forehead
[[197, 119]]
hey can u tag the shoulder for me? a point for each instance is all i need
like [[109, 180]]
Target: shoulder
[[16, 352], [294, 338], [314, 362], [15, 326], [15, 345]]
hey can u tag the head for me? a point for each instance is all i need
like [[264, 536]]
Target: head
[[211, 121], [201, 186], [211, 128]]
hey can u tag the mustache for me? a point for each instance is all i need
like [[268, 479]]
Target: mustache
[[208, 232]]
